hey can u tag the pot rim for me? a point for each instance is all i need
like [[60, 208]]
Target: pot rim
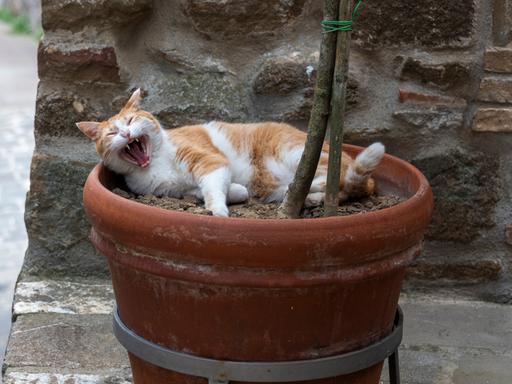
[[422, 195]]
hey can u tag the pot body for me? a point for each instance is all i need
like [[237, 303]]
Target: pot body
[[259, 290]]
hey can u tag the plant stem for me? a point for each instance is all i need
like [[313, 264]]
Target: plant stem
[[336, 119], [299, 188]]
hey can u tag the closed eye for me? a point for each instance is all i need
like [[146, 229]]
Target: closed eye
[[112, 133], [130, 120]]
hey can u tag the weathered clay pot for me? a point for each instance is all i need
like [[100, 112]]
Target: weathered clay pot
[[259, 290]]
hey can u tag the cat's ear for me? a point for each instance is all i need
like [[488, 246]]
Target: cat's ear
[[134, 100], [91, 129]]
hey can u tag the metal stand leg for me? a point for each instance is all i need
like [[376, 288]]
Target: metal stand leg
[[394, 368]]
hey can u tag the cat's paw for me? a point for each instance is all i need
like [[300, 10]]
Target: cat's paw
[[314, 199], [237, 194], [219, 210]]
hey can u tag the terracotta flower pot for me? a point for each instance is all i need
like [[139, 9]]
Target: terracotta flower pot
[[259, 290]]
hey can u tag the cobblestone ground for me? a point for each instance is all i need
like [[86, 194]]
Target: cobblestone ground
[[19, 79]]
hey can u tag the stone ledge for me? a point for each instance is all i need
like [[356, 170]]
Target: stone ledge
[[14, 377], [430, 364], [65, 344], [54, 297], [446, 340], [461, 270]]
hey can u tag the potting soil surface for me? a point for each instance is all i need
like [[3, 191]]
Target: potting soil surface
[[254, 209]]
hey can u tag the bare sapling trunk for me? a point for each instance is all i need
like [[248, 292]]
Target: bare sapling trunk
[[336, 118], [299, 188]]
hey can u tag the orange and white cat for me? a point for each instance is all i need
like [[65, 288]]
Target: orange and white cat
[[217, 162]]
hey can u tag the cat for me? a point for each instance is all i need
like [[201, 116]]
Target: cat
[[218, 162]]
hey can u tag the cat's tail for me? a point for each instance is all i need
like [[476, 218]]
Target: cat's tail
[[357, 179]]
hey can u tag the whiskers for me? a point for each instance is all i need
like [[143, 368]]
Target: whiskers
[[107, 155]]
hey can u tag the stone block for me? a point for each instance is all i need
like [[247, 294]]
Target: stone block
[[57, 228], [496, 90], [498, 59], [468, 271], [429, 112], [444, 75], [467, 187], [508, 234], [283, 75], [284, 87], [239, 19], [89, 62], [197, 98], [426, 23], [59, 107], [75, 15], [488, 119]]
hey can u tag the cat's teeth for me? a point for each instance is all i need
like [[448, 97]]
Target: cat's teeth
[[127, 147]]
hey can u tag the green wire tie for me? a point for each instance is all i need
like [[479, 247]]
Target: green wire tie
[[341, 25]]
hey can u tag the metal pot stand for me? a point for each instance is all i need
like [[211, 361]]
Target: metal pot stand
[[222, 372]]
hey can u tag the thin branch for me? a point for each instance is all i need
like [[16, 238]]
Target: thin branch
[[336, 119], [298, 190]]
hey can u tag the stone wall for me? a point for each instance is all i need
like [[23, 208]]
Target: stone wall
[[431, 80]]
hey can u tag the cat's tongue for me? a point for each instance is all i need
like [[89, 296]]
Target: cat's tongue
[[138, 153], [140, 156]]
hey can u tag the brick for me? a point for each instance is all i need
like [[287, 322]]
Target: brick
[[495, 90], [405, 96], [498, 60], [78, 62], [443, 75], [493, 120]]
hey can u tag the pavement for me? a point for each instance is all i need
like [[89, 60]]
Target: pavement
[[18, 77], [63, 335]]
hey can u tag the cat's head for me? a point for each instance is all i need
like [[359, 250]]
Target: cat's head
[[126, 141]]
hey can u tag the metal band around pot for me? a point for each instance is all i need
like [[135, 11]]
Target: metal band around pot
[[220, 371]]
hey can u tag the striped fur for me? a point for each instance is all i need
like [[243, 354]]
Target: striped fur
[[218, 162]]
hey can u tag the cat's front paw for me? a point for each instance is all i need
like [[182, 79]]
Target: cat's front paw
[[219, 210]]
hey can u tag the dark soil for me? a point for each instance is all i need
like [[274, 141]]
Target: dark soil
[[253, 209]]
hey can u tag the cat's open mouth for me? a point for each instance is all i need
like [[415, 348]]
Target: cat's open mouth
[[137, 152]]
